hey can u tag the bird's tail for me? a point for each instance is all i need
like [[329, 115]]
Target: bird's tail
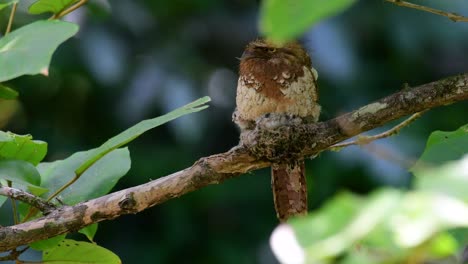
[[288, 182]]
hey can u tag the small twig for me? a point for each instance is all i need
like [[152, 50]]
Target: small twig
[[452, 16], [33, 211], [363, 140], [69, 9], [28, 198], [13, 206], [12, 16]]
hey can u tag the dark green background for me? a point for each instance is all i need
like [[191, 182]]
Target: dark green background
[[135, 60]]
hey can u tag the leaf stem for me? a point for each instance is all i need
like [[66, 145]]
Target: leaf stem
[[69, 9], [12, 16], [66, 185]]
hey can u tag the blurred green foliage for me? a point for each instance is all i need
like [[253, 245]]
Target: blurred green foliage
[[137, 59]]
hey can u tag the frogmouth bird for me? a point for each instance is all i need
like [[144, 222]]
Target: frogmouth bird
[[277, 86]]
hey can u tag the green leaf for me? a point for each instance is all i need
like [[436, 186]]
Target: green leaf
[[54, 6], [140, 128], [97, 181], [47, 243], [450, 179], [443, 245], [19, 147], [283, 20], [2, 200], [22, 174], [3, 5], [89, 231], [70, 251], [341, 223], [102, 167], [29, 49], [444, 146], [433, 171], [19, 171], [423, 214], [7, 92]]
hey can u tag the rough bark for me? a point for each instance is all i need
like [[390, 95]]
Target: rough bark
[[258, 149]]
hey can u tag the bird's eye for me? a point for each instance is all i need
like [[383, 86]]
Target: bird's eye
[[271, 50]]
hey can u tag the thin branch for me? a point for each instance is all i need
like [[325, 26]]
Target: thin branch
[[12, 16], [258, 149], [452, 16], [28, 198], [363, 140]]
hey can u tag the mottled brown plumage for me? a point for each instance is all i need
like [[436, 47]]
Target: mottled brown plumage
[[277, 86]]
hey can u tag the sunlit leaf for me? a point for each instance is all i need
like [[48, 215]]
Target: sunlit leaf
[[343, 222], [424, 214], [443, 245], [283, 20], [29, 49], [21, 147], [7, 92], [70, 251], [54, 6], [450, 178]]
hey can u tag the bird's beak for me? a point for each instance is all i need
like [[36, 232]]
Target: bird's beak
[[247, 55]]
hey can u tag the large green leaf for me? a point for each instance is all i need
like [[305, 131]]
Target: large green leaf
[[98, 180], [70, 251], [100, 168], [20, 172], [140, 128], [29, 49], [7, 92], [283, 20], [443, 146], [19, 147], [54, 6], [47, 243]]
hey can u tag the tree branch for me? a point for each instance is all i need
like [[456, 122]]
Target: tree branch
[[28, 198], [256, 150]]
